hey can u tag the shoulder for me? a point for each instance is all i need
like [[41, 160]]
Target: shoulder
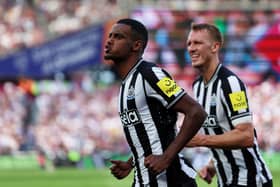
[[225, 72], [230, 82], [151, 70], [146, 66], [228, 77]]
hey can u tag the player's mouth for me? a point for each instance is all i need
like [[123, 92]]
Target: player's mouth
[[194, 57], [106, 49]]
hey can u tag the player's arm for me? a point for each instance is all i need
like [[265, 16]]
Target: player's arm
[[194, 116], [238, 112], [193, 120], [240, 137]]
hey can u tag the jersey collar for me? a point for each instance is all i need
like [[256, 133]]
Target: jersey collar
[[214, 76]]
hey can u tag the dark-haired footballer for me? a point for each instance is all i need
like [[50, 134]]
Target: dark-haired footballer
[[149, 100]]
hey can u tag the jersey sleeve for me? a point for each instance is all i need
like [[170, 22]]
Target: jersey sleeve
[[235, 100], [160, 85]]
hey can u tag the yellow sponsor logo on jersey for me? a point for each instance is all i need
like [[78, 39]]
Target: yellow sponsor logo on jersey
[[168, 86], [238, 100]]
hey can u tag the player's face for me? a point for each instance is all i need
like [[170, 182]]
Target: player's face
[[119, 43], [200, 48]]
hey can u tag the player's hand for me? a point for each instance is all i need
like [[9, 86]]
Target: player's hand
[[156, 163], [120, 169], [207, 173]]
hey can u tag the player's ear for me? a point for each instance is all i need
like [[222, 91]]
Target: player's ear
[[215, 47], [137, 45]]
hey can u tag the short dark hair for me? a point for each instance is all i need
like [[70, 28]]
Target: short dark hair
[[212, 29], [139, 31]]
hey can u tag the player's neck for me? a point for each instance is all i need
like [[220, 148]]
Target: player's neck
[[124, 67], [209, 70]]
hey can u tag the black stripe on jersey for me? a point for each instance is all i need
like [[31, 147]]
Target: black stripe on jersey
[[129, 140], [249, 160], [218, 130], [264, 170], [141, 132], [242, 86], [231, 160], [199, 80], [227, 90], [255, 133], [203, 103], [215, 154], [165, 123], [205, 97], [229, 155], [226, 87], [213, 108], [234, 167], [165, 120], [251, 167], [219, 165], [175, 175]]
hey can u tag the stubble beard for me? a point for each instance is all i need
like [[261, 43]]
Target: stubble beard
[[116, 60]]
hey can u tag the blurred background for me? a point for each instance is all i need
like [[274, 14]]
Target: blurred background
[[58, 97]]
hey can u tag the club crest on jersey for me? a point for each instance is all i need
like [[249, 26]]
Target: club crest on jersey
[[130, 93], [238, 100], [168, 86], [210, 122], [130, 117]]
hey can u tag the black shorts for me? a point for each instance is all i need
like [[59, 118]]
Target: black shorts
[[190, 183]]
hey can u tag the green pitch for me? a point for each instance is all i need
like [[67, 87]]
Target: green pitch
[[77, 178]]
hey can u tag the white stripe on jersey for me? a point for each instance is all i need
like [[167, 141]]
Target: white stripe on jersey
[[140, 151], [142, 120], [151, 130], [147, 119], [188, 170], [214, 97], [158, 72], [162, 178]]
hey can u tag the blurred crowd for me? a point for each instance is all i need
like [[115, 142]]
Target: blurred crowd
[[26, 23], [66, 116], [247, 37]]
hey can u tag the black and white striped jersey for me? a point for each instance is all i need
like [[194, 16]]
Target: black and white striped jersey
[[146, 97], [225, 100]]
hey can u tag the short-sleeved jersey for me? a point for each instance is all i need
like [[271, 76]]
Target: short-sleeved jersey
[[146, 97], [225, 100]]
